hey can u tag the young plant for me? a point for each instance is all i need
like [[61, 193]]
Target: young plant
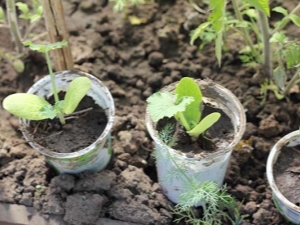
[[184, 104], [33, 107]]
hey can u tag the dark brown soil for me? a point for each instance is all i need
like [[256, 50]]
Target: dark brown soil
[[218, 135], [287, 173], [134, 62], [79, 132]]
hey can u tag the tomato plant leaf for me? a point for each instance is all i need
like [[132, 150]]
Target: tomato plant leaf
[[25, 105], [262, 5], [164, 104], [76, 91], [281, 10], [295, 19]]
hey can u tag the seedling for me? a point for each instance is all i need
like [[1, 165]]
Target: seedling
[[33, 107], [184, 104]]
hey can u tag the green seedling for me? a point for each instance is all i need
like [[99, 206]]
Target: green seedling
[[184, 105], [33, 107]]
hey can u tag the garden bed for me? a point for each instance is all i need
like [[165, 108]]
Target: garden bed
[[134, 61]]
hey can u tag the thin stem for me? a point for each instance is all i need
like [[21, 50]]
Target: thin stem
[[244, 30], [267, 54], [295, 79], [286, 19], [183, 121], [13, 23], [55, 93]]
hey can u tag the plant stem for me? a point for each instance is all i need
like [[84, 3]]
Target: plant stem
[[267, 54], [295, 79], [244, 30], [56, 98], [13, 24], [286, 20], [183, 121]]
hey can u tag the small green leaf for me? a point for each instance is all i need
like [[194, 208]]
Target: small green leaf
[[45, 48], [279, 77], [278, 37], [39, 10], [198, 31], [22, 7], [34, 18], [281, 10], [163, 104], [75, 93], [204, 124], [187, 87], [262, 5], [295, 19], [18, 65], [26, 106], [48, 111], [251, 13]]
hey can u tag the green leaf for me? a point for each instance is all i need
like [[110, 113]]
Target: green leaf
[[279, 77], [163, 104], [18, 65], [26, 106], [295, 19], [204, 124], [251, 13], [262, 5], [292, 55], [281, 10], [45, 48], [75, 93], [278, 37], [198, 31], [34, 18], [187, 87], [48, 111], [22, 7]]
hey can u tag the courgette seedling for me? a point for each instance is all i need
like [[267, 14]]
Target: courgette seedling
[[33, 107], [184, 104]]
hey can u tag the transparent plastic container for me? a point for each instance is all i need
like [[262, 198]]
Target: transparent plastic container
[[212, 166], [92, 158]]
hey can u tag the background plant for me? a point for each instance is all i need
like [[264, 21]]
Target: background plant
[[30, 16], [33, 107]]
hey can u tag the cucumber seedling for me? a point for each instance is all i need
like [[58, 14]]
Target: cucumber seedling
[[184, 104], [33, 107]]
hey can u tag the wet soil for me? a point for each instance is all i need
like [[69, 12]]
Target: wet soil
[[79, 132], [287, 173], [134, 61]]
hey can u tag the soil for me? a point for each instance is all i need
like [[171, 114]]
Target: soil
[[79, 132], [213, 140], [287, 171], [134, 61]]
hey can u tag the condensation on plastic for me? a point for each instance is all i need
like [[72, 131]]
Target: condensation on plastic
[[211, 166], [92, 158], [289, 210]]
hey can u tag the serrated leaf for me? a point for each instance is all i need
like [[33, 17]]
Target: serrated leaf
[[281, 10], [295, 19], [25, 105], [292, 55], [204, 124], [48, 111], [18, 65], [22, 7], [194, 34], [163, 104], [278, 37], [279, 77], [187, 87], [75, 93], [262, 5]]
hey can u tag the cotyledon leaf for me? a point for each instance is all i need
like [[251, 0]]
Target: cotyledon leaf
[[76, 91], [25, 105], [204, 124]]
